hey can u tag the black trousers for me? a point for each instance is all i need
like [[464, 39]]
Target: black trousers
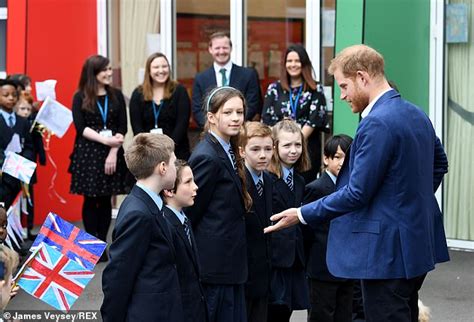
[[392, 299], [278, 313], [97, 215], [257, 309], [331, 301]]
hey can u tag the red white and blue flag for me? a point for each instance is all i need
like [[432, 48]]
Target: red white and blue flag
[[53, 278], [18, 167], [70, 241]]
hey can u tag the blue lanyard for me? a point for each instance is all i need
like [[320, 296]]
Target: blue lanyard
[[104, 110], [157, 111], [294, 104]]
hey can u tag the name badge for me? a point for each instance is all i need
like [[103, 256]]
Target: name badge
[[156, 131], [106, 133]]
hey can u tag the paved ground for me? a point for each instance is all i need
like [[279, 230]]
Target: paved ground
[[449, 291]]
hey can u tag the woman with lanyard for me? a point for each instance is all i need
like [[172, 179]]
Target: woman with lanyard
[[97, 164], [161, 105], [297, 96]]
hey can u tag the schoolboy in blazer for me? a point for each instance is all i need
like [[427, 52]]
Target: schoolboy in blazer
[[141, 281], [182, 195], [256, 147], [10, 186]]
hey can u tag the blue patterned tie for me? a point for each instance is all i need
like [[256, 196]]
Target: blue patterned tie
[[289, 181], [224, 77], [10, 121], [259, 187], [232, 156], [187, 230]]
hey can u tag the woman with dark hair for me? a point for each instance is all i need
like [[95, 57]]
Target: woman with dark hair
[[161, 105], [297, 96], [97, 163]]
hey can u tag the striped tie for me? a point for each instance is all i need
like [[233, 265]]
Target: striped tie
[[232, 157], [187, 230], [289, 181], [259, 187]]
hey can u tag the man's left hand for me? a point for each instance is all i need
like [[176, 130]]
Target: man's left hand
[[284, 219]]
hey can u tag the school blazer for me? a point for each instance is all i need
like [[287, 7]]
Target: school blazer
[[387, 223], [141, 281], [287, 244], [22, 128], [192, 294], [316, 266], [243, 78], [258, 243], [218, 215]]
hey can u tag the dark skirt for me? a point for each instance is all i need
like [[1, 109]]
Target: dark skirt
[[289, 287]]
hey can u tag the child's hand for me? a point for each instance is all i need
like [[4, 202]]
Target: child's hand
[[14, 290]]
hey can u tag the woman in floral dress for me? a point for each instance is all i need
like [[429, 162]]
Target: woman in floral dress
[[297, 96]]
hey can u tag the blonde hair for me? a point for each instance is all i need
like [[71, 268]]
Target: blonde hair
[[358, 58], [9, 259], [254, 129], [303, 164], [146, 152]]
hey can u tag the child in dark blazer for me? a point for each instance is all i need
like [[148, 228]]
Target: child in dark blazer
[[289, 289], [182, 195], [218, 213], [141, 282], [256, 147], [11, 125], [331, 297]]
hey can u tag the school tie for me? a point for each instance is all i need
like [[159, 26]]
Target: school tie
[[187, 230], [232, 156], [11, 118], [259, 187], [289, 181], [224, 77]]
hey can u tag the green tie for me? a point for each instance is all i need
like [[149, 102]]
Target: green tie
[[224, 78]]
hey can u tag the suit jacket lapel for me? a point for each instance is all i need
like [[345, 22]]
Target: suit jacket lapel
[[211, 77], [267, 192], [225, 159], [253, 192], [298, 193], [157, 213], [170, 215], [285, 192]]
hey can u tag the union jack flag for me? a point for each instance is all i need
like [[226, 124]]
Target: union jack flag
[[70, 241], [18, 167], [54, 278]]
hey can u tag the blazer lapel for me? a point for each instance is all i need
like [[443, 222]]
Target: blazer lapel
[[298, 192], [225, 159], [284, 191], [267, 192], [170, 215], [157, 214]]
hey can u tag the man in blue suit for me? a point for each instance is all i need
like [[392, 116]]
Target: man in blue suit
[[225, 73], [386, 226]]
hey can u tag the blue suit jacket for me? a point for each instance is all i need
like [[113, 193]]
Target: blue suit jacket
[[218, 215], [387, 223], [141, 283], [242, 78]]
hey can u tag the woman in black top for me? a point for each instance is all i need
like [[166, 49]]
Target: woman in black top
[[297, 96], [97, 164], [161, 105]]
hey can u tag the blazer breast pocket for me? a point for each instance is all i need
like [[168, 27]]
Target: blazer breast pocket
[[366, 226]]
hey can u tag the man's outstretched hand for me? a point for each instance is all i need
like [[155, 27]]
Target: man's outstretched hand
[[283, 220]]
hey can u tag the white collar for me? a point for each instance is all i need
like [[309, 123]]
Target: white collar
[[369, 107], [227, 66]]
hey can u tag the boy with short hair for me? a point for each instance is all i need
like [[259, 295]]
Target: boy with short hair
[[330, 297], [141, 283], [257, 149], [3, 224], [12, 125], [181, 196]]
